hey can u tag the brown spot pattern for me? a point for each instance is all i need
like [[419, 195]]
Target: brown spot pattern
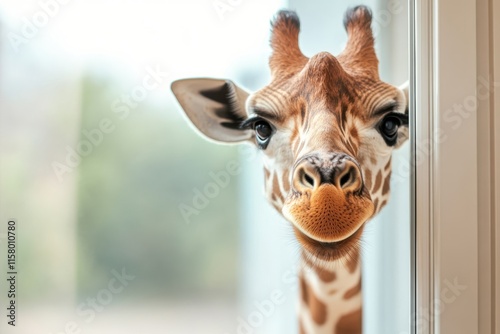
[[387, 184], [384, 202], [323, 274], [378, 182], [354, 133], [350, 323], [388, 165], [303, 291], [368, 179], [316, 306], [353, 291], [276, 186]]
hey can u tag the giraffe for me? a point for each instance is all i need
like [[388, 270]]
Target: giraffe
[[326, 126]]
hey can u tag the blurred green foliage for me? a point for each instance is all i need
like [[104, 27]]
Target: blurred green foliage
[[129, 190]]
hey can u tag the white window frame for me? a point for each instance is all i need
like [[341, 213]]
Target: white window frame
[[454, 180]]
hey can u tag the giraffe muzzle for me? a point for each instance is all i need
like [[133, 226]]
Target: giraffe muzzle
[[328, 202]]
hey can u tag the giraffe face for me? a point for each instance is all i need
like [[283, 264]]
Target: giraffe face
[[326, 125], [327, 152]]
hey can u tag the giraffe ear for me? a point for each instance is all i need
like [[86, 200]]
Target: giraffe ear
[[216, 107]]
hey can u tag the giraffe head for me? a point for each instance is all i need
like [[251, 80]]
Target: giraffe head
[[326, 125]]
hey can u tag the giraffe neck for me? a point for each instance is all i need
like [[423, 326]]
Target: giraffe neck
[[330, 296]]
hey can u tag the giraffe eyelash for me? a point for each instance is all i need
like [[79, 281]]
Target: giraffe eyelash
[[403, 118], [248, 123]]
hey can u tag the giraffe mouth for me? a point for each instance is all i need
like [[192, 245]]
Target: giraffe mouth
[[327, 221], [329, 251], [327, 214]]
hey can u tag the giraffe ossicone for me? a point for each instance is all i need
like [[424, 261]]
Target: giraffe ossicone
[[327, 126]]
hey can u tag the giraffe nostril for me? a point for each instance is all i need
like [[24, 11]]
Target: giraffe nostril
[[350, 179], [308, 180], [306, 177], [345, 180]]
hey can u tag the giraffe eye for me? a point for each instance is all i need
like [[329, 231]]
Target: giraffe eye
[[389, 129], [263, 131]]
